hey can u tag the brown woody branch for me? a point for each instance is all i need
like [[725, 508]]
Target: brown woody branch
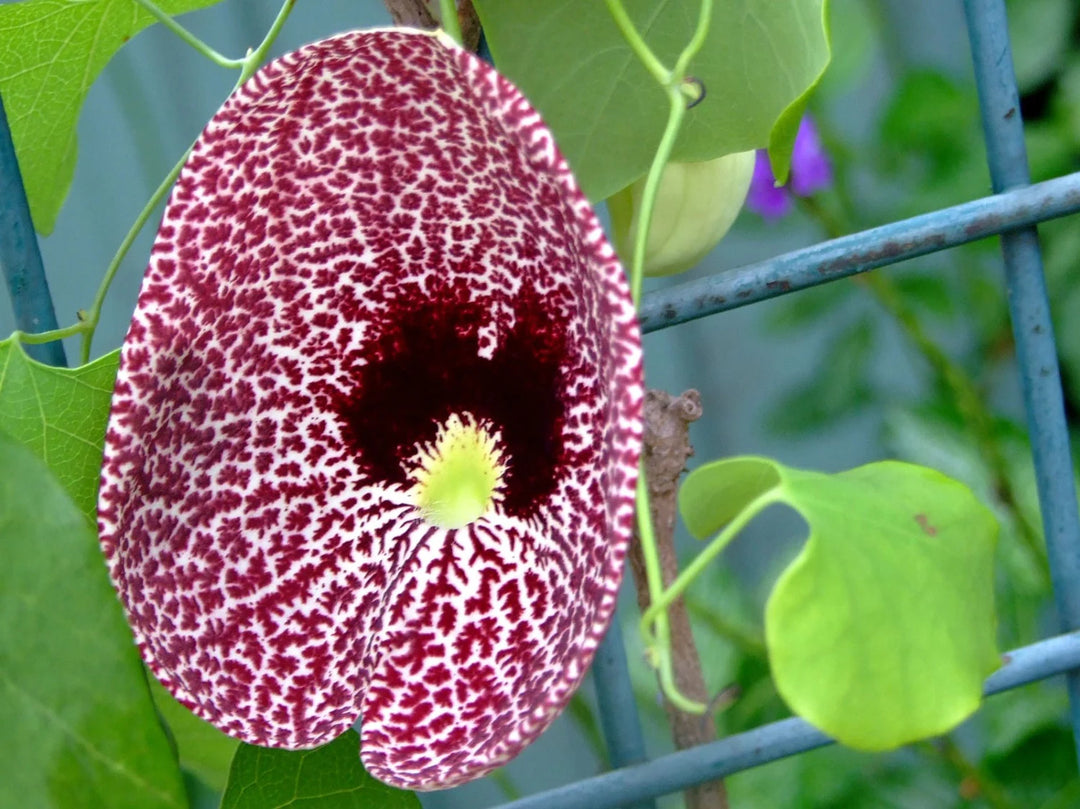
[[666, 449], [422, 14]]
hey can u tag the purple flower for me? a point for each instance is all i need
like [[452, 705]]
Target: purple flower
[[811, 171]]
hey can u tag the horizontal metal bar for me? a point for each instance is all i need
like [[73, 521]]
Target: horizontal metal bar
[[848, 255], [1038, 661], [687, 768]]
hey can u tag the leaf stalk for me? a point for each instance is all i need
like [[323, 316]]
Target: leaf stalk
[[166, 19], [660, 604], [448, 19]]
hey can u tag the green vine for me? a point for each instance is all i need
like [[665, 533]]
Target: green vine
[[702, 560], [165, 19], [654, 625], [448, 18]]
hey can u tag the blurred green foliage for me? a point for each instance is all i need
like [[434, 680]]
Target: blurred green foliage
[[951, 402]]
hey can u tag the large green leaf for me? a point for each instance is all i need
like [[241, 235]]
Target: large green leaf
[[60, 414], [607, 113], [882, 630], [329, 777], [79, 728], [52, 52]]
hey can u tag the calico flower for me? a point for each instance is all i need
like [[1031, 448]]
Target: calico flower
[[373, 446], [811, 171]]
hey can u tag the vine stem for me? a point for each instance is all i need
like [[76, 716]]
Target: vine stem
[[448, 19], [165, 19], [671, 81], [701, 561], [637, 44], [39, 337], [657, 631], [667, 448], [92, 316], [676, 113], [248, 65]]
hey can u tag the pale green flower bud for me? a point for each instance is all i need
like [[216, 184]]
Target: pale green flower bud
[[695, 206]]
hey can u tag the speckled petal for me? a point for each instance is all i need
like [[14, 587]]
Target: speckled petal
[[376, 234]]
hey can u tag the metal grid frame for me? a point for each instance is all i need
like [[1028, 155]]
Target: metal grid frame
[[1012, 211]]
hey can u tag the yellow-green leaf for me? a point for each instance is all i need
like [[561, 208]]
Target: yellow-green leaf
[[882, 630]]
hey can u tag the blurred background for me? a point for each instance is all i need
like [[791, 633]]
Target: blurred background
[[848, 373]]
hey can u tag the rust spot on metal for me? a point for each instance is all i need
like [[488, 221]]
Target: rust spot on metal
[[669, 312], [745, 293], [1010, 113], [982, 226], [989, 224], [783, 285], [887, 253]]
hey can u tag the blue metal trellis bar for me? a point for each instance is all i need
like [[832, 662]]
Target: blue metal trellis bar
[[708, 762], [1029, 308], [848, 255], [20, 258]]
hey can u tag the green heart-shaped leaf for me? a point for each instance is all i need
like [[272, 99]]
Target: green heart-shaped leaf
[[882, 630], [79, 728], [761, 59], [328, 777]]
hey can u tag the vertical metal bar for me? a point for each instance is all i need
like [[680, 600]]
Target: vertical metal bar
[[618, 710], [1030, 310], [20, 258]]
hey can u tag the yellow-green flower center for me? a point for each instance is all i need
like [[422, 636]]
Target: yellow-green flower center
[[458, 474]]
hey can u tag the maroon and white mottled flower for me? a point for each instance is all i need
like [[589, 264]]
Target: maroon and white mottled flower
[[374, 441]]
